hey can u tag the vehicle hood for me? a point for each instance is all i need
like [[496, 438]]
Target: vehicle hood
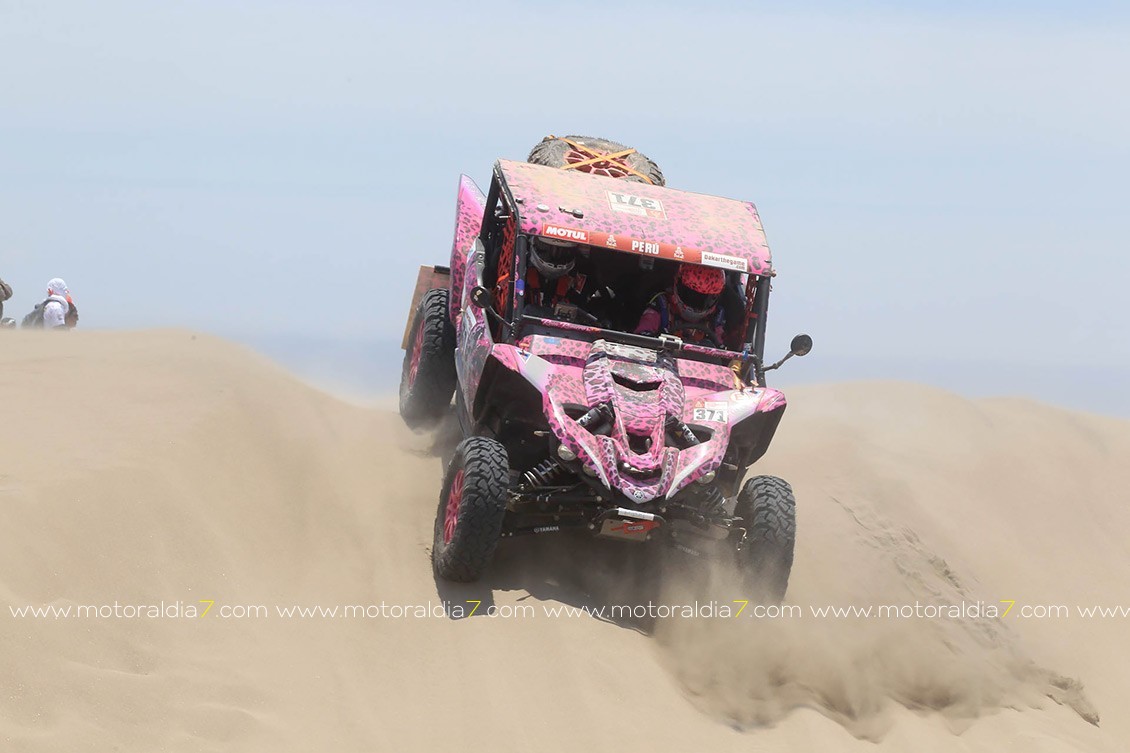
[[633, 452]]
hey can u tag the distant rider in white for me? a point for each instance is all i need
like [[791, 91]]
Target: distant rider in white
[[56, 306]]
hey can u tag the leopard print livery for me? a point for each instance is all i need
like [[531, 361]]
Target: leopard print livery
[[474, 342], [505, 283], [643, 388], [676, 218], [470, 205]]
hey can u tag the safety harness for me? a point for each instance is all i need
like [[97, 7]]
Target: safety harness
[[659, 303], [560, 288]]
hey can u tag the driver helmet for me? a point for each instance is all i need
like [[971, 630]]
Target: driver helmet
[[553, 257], [696, 291]]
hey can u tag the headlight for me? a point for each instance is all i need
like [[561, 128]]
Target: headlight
[[565, 453]]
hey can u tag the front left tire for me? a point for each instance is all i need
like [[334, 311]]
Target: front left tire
[[472, 506], [767, 507]]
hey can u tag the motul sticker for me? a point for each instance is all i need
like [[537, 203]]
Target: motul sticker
[[640, 206], [725, 261], [564, 233]]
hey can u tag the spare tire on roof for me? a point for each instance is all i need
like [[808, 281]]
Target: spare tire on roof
[[563, 151]]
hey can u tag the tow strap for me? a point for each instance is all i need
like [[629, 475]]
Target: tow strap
[[592, 156]]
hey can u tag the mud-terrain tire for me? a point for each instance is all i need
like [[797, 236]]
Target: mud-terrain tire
[[472, 506], [427, 377], [555, 152], [765, 556]]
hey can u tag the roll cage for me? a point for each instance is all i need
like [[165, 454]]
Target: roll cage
[[506, 255]]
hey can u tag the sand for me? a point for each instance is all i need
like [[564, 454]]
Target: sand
[[170, 471]]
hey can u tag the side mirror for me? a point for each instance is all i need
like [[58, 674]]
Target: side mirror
[[481, 297], [801, 345]]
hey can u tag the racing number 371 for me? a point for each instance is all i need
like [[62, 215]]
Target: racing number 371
[[709, 414]]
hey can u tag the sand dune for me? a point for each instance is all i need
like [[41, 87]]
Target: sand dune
[[176, 472]]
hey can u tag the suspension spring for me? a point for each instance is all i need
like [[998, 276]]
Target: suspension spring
[[544, 473]]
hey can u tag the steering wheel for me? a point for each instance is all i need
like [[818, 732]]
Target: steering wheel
[[707, 330]]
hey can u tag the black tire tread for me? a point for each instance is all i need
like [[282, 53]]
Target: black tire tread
[[768, 505], [427, 399], [486, 476]]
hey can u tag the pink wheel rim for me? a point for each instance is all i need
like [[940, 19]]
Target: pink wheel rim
[[451, 512], [608, 168], [417, 349]]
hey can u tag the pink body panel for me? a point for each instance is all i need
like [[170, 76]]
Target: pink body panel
[[470, 205], [643, 392], [474, 342], [638, 218]]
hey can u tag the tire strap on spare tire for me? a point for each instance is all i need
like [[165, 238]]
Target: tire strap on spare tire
[[593, 156]]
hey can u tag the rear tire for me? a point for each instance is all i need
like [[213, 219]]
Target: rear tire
[[427, 376], [471, 509], [555, 152], [767, 506]]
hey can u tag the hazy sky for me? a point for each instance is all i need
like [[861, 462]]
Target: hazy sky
[[941, 184]]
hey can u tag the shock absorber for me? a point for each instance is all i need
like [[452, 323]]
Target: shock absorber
[[707, 501], [711, 501], [544, 473], [592, 420]]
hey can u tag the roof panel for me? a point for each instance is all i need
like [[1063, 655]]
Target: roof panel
[[638, 218]]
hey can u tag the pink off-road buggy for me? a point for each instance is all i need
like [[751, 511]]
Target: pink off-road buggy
[[572, 421]]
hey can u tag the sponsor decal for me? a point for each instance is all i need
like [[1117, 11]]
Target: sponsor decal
[[724, 261], [712, 411], [645, 247], [635, 526], [642, 246], [686, 549], [641, 206], [564, 233]]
